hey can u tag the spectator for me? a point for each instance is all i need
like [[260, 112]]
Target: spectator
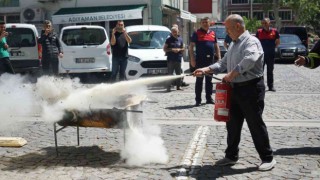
[[245, 74], [119, 42], [270, 39], [174, 48], [227, 42], [51, 49], [206, 45], [312, 60], [5, 64]]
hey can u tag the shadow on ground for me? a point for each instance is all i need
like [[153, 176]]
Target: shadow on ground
[[209, 171], [297, 151], [91, 156]]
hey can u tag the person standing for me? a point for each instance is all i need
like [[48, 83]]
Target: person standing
[[5, 64], [206, 45], [51, 49], [270, 39], [244, 65], [174, 48], [312, 60], [119, 43]]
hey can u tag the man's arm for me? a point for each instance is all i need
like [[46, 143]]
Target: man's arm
[[217, 50], [113, 37], [126, 35], [191, 54]]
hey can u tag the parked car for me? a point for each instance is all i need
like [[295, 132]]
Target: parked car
[[146, 55], [25, 52], [221, 34], [86, 50], [300, 31], [289, 48]]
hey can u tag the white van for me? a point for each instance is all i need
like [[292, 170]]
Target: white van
[[25, 52], [86, 49], [146, 55]]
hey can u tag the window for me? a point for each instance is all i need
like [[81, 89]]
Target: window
[[241, 13], [85, 36], [239, 1], [258, 1], [285, 15], [18, 37], [11, 3], [148, 39], [258, 15], [13, 19]]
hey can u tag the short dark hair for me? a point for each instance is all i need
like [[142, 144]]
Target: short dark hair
[[2, 22], [205, 19]]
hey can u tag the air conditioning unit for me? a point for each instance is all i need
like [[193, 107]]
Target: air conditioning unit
[[32, 15]]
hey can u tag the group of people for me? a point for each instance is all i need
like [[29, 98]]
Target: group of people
[[245, 60], [51, 50]]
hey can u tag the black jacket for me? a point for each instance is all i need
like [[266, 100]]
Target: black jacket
[[313, 58], [51, 46]]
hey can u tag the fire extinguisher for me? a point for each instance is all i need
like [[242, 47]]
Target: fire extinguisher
[[222, 102]]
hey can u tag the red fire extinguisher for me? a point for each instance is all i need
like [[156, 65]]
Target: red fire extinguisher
[[222, 102]]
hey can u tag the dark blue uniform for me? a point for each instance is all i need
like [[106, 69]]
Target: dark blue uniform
[[204, 41], [268, 42]]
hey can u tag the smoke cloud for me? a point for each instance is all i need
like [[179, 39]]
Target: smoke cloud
[[50, 97]]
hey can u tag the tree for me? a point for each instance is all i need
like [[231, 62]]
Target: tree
[[252, 24]]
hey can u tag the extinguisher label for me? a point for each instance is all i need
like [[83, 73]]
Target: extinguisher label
[[220, 101], [223, 112]]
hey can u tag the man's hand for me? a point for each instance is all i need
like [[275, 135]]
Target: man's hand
[[60, 55], [6, 46], [114, 30], [230, 76], [201, 72], [301, 61]]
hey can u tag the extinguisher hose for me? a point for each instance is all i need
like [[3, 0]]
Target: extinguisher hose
[[209, 75]]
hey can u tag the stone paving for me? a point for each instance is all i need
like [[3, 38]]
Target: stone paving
[[296, 148]]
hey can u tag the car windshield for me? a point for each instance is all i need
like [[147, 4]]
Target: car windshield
[[148, 39], [21, 37], [83, 36], [289, 39], [220, 31]]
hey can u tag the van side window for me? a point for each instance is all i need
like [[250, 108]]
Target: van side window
[[21, 37]]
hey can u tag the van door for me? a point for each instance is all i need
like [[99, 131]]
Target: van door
[[85, 50], [23, 48]]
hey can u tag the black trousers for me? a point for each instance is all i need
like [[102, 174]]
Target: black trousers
[[269, 61], [247, 102], [5, 66], [50, 65], [204, 62]]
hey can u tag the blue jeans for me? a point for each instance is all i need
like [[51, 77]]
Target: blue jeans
[[119, 63]]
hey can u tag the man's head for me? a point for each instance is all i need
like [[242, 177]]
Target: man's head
[[120, 26], [205, 23], [235, 26], [47, 25], [2, 26], [265, 22], [174, 31]]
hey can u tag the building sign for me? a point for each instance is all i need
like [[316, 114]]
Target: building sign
[[96, 17]]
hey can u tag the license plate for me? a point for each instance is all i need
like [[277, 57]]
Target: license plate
[[85, 60], [157, 71], [16, 53], [287, 54]]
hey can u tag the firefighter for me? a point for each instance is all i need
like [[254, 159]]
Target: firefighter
[[244, 65], [312, 60], [270, 39]]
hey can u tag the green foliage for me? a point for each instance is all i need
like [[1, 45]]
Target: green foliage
[[252, 25]]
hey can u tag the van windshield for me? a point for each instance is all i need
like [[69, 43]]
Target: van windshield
[[148, 39], [220, 31], [84, 36], [21, 37]]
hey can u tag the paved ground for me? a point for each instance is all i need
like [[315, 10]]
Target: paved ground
[[193, 140]]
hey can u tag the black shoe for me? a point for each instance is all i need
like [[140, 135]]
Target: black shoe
[[169, 89], [179, 88], [183, 84], [198, 104], [210, 102], [272, 89]]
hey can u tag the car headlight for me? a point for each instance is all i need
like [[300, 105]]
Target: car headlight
[[301, 50], [133, 59]]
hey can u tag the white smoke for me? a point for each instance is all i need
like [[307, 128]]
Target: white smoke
[[50, 97]]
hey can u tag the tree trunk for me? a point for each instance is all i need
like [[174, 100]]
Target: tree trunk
[[276, 6]]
